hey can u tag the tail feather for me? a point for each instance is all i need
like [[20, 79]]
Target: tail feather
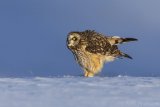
[[117, 40]]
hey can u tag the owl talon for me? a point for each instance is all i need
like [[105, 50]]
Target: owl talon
[[89, 74], [86, 74]]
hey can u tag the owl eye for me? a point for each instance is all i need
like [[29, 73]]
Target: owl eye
[[74, 39]]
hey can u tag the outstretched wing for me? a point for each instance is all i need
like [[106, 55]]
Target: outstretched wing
[[99, 44]]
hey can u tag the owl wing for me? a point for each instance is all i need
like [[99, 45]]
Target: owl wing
[[99, 44]]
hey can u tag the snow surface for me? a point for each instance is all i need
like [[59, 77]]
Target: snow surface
[[80, 92]]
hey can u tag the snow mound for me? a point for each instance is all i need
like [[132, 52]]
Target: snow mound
[[80, 92]]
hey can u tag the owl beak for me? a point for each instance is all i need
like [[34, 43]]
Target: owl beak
[[68, 43], [70, 46]]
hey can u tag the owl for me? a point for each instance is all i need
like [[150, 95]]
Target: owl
[[92, 49]]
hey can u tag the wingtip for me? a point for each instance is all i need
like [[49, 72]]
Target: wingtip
[[126, 56], [130, 39], [135, 39], [129, 57]]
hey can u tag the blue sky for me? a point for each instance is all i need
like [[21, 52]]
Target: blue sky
[[33, 35]]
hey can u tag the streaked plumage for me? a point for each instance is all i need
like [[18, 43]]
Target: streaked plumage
[[92, 49]]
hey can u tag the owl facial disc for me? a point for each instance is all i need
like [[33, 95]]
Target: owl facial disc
[[73, 40]]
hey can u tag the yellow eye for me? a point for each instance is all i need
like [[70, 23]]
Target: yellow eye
[[74, 38]]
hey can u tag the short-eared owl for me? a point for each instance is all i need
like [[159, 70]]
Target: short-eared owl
[[92, 49]]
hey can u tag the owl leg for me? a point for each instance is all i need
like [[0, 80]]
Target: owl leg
[[88, 74], [85, 73]]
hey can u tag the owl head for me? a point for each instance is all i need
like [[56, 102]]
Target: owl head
[[73, 40]]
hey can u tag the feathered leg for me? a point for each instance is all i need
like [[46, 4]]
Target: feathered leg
[[88, 74]]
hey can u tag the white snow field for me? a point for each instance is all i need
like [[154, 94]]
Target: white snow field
[[80, 92]]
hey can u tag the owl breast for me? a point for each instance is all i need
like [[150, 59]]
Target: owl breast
[[81, 57], [89, 61]]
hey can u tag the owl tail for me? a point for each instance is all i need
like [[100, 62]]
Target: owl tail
[[115, 40]]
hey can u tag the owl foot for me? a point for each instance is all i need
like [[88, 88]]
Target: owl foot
[[89, 74]]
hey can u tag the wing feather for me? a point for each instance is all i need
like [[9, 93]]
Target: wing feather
[[99, 44]]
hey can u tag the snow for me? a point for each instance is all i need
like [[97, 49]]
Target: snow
[[71, 91]]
